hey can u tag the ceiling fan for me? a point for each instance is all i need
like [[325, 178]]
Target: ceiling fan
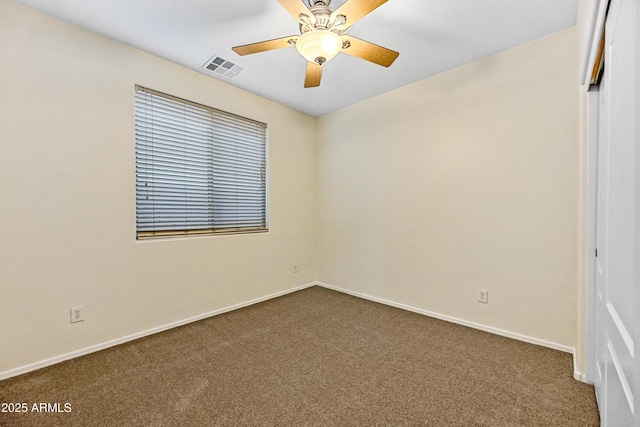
[[323, 35]]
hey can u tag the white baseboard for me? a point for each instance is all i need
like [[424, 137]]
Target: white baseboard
[[84, 351], [580, 377], [577, 375], [485, 328], [92, 349]]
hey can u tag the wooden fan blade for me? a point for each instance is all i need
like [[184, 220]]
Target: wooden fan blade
[[354, 10], [296, 8], [314, 74], [368, 51], [280, 43]]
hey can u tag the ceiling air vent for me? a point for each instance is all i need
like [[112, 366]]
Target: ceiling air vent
[[223, 67]]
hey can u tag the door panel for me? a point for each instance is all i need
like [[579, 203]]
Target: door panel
[[616, 301]]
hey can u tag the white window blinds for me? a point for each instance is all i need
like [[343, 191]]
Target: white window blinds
[[198, 170]]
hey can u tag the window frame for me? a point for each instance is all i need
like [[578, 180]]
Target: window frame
[[211, 229]]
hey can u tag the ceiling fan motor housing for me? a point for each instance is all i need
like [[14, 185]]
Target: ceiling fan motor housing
[[319, 2], [322, 15]]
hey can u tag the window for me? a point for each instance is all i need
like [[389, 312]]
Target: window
[[198, 170]]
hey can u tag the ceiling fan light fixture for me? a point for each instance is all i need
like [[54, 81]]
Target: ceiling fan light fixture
[[319, 46], [323, 35]]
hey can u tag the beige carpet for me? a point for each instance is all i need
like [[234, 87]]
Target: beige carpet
[[315, 357]]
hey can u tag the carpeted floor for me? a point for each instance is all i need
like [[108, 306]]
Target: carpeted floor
[[314, 357]]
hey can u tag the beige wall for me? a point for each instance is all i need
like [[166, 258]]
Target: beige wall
[[67, 201], [465, 180], [462, 181]]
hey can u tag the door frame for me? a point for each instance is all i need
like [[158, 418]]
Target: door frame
[[593, 101]]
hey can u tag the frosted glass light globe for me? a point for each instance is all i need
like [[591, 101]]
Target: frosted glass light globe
[[319, 46]]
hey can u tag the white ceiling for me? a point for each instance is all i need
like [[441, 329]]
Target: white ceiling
[[432, 36]]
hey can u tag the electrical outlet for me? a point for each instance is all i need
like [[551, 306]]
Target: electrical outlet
[[295, 268], [483, 296], [77, 314]]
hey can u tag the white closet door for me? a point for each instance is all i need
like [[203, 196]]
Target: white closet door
[[618, 226]]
